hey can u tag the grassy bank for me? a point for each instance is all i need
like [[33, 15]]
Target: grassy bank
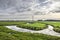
[[7, 34], [27, 25], [55, 24], [36, 25]]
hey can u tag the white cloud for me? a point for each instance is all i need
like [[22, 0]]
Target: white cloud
[[50, 6], [44, 6]]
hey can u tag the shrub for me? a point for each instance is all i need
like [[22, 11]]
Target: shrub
[[57, 30]]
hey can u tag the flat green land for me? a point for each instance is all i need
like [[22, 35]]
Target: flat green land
[[28, 25], [36, 25], [55, 24], [7, 34]]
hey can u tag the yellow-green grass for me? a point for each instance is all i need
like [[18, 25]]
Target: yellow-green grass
[[55, 24], [24, 24], [36, 24], [7, 34]]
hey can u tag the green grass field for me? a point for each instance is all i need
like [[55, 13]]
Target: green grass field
[[7, 34], [37, 25], [27, 25], [55, 24]]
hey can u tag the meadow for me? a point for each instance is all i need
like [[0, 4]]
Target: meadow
[[25, 24], [8, 34], [55, 24]]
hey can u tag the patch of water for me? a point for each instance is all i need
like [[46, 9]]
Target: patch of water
[[48, 31]]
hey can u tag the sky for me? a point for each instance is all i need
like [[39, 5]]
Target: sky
[[41, 6]]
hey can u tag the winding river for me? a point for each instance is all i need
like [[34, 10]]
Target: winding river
[[48, 31]]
